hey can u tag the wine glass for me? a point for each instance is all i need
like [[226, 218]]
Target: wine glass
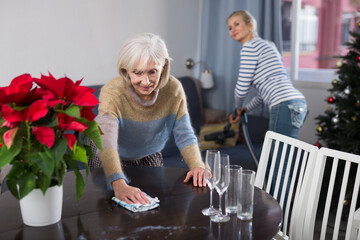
[[211, 155], [221, 183]]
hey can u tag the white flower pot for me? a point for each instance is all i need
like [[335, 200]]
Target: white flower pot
[[41, 210]]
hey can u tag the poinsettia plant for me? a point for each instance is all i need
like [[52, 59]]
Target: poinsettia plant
[[46, 125]]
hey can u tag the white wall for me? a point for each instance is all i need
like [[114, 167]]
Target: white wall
[[82, 38]]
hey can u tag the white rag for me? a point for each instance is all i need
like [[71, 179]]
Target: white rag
[[138, 207]]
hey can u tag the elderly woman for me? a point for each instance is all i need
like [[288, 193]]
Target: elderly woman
[[138, 111]]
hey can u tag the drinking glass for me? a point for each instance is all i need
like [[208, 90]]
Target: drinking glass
[[232, 194], [211, 155], [246, 203], [221, 183]]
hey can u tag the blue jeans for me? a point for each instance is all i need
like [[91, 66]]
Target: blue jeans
[[286, 118]]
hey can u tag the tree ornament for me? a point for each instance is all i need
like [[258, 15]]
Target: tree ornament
[[358, 24], [335, 81], [354, 118], [331, 99], [358, 58], [339, 63], [317, 144], [329, 109], [319, 129], [335, 119], [357, 104], [347, 90]]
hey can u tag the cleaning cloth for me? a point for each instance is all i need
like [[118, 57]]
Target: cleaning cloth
[[138, 207]]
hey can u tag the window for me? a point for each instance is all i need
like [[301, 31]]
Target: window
[[345, 27], [321, 36]]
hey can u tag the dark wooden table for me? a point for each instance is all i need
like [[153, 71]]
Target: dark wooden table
[[179, 216]]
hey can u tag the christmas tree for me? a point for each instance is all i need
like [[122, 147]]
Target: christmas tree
[[339, 127]]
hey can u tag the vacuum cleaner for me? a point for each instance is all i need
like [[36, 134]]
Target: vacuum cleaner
[[220, 137]]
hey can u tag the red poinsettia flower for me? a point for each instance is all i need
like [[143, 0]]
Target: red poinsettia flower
[[37, 110], [44, 135], [11, 115], [64, 90], [37, 113], [87, 113], [17, 91], [71, 140], [9, 136], [68, 123]]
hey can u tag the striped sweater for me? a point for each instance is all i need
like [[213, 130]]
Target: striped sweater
[[262, 67], [143, 129]]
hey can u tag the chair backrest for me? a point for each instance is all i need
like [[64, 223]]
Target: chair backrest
[[281, 173], [332, 195]]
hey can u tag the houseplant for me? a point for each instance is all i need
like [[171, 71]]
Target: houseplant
[[45, 128]]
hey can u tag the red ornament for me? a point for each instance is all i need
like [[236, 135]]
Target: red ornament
[[317, 144], [331, 99], [358, 58]]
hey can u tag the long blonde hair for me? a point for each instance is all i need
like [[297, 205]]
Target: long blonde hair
[[247, 18]]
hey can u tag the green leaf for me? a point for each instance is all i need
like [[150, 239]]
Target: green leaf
[[80, 154], [45, 162], [26, 184], [93, 133], [7, 155], [50, 120], [43, 183], [12, 186], [80, 184], [59, 149], [73, 111], [89, 151], [60, 171]]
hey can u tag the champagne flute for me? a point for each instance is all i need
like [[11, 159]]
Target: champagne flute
[[211, 155], [221, 183]]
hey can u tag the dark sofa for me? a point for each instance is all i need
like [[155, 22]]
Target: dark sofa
[[239, 154]]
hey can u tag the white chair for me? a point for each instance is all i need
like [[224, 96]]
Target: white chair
[[332, 182], [293, 157], [355, 230]]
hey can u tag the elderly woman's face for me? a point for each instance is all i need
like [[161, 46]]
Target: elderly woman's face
[[145, 81]]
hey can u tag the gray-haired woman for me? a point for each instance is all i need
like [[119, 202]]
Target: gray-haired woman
[[138, 111]]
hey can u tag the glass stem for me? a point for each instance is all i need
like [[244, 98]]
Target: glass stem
[[211, 197], [220, 210]]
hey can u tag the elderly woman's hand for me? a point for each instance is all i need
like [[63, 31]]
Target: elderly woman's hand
[[128, 193], [198, 177]]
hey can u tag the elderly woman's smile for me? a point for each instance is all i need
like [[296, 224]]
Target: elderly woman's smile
[[145, 81]]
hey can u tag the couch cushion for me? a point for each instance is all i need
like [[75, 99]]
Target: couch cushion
[[193, 100], [96, 94]]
